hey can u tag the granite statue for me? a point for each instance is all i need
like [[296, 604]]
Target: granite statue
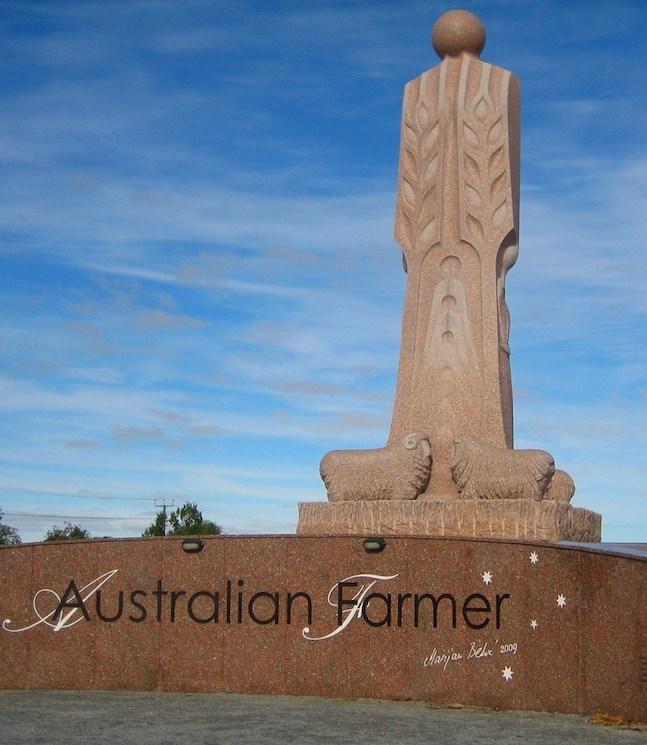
[[457, 224]]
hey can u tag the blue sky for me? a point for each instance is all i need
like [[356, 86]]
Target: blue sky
[[200, 291]]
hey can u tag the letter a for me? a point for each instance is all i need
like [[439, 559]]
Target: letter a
[[75, 604]]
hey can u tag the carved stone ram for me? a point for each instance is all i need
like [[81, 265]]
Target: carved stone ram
[[398, 471], [481, 471]]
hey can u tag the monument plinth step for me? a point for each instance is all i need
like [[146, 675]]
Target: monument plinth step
[[510, 518]]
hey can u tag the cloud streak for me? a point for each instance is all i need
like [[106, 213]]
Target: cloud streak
[[195, 238]]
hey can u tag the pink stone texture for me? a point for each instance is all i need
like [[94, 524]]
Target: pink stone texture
[[546, 520], [537, 625], [457, 223]]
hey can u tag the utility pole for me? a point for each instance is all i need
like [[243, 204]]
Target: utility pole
[[164, 504]]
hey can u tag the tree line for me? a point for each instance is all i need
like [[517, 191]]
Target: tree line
[[185, 520]]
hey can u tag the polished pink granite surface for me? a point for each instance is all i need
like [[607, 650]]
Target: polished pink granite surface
[[501, 624]]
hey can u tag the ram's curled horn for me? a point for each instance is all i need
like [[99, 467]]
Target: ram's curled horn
[[398, 471], [411, 441], [481, 471]]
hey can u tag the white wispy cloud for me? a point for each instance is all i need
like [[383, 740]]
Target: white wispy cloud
[[196, 237]]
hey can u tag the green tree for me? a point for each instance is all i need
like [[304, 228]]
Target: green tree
[[158, 526], [8, 535], [186, 520], [55, 533]]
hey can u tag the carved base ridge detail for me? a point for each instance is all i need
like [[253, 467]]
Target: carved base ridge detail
[[524, 519]]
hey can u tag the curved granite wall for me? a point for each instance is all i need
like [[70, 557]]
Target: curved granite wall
[[512, 625]]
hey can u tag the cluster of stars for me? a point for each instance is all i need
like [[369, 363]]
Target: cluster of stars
[[488, 577]]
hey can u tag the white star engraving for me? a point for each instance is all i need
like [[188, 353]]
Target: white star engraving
[[561, 600], [534, 557], [533, 624], [487, 577], [507, 673]]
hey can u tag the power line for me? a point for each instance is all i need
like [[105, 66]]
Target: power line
[[44, 493], [164, 504], [74, 517]]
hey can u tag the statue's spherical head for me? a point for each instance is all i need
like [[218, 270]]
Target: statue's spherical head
[[458, 31]]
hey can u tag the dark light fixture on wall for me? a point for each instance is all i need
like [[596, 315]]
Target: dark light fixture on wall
[[192, 545], [374, 544]]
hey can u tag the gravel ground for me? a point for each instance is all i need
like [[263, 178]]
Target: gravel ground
[[99, 718]]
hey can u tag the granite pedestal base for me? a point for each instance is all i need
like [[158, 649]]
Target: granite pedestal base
[[517, 519]]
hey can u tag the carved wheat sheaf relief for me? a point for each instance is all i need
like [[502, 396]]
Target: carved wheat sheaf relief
[[487, 209], [419, 198]]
